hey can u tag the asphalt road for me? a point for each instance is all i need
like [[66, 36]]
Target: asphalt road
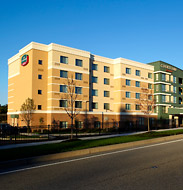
[[151, 167]]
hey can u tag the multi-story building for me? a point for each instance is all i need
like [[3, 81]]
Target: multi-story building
[[168, 90], [108, 89]]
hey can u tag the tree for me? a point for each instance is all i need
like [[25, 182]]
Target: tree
[[3, 109], [41, 120], [3, 113], [71, 98], [27, 109], [147, 103], [55, 123]]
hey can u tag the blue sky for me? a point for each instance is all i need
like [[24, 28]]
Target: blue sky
[[140, 30]]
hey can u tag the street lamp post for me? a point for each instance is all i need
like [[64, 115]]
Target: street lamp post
[[86, 118], [102, 120], [48, 132]]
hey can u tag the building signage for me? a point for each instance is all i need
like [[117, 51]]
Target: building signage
[[25, 60], [170, 71], [168, 67]]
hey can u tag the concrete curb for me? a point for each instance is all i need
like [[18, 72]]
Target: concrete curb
[[52, 157]]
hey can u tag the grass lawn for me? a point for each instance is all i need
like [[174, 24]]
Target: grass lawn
[[24, 152]]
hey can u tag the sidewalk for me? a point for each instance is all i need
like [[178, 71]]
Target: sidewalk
[[9, 146], [82, 138]]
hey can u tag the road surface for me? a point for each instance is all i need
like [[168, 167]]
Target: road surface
[[143, 168]]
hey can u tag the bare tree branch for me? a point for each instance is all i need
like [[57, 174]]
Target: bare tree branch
[[27, 109], [71, 98], [147, 102]]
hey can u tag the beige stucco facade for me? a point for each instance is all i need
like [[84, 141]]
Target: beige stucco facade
[[24, 82]]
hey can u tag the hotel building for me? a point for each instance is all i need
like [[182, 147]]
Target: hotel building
[[168, 91], [108, 89]]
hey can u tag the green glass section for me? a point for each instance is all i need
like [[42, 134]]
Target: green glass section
[[14, 116], [168, 81]]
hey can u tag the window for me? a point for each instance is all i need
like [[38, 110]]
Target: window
[[157, 76], [157, 87], [137, 84], [95, 105], [163, 76], [106, 93], [157, 99], [163, 98], [137, 95], [63, 74], [78, 124], [128, 94], [40, 62], [63, 59], [63, 88], [39, 76], [106, 81], [97, 124], [180, 81], [180, 100], [63, 103], [174, 79], [164, 109], [63, 124], [95, 67], [163, 87], [174, 89], [78, 76], [78, 104], [150, 75], [128, 107], [94, 79], [150, 86], [128, 82], [106, 69], [128, 71], [137, 107], [141, 120], [152, 120], [180, 91], [150, 97], [149, 108], [174, 99], [39, 107], [79, 62], [106, 106], [78, 90], [137, 72], [39, 91], [94, 92], [156, 109]]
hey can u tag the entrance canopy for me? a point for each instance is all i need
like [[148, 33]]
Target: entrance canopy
[[175, 111], [15, 116]]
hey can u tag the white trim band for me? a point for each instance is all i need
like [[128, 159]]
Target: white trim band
[[88, 112], [162, 72]]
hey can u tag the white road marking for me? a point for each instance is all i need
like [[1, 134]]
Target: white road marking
[[89, 157]]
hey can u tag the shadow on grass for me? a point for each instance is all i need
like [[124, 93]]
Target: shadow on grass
[[76, 144]]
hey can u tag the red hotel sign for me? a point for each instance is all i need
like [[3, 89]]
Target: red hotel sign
[[167, 70], [25, 60]]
